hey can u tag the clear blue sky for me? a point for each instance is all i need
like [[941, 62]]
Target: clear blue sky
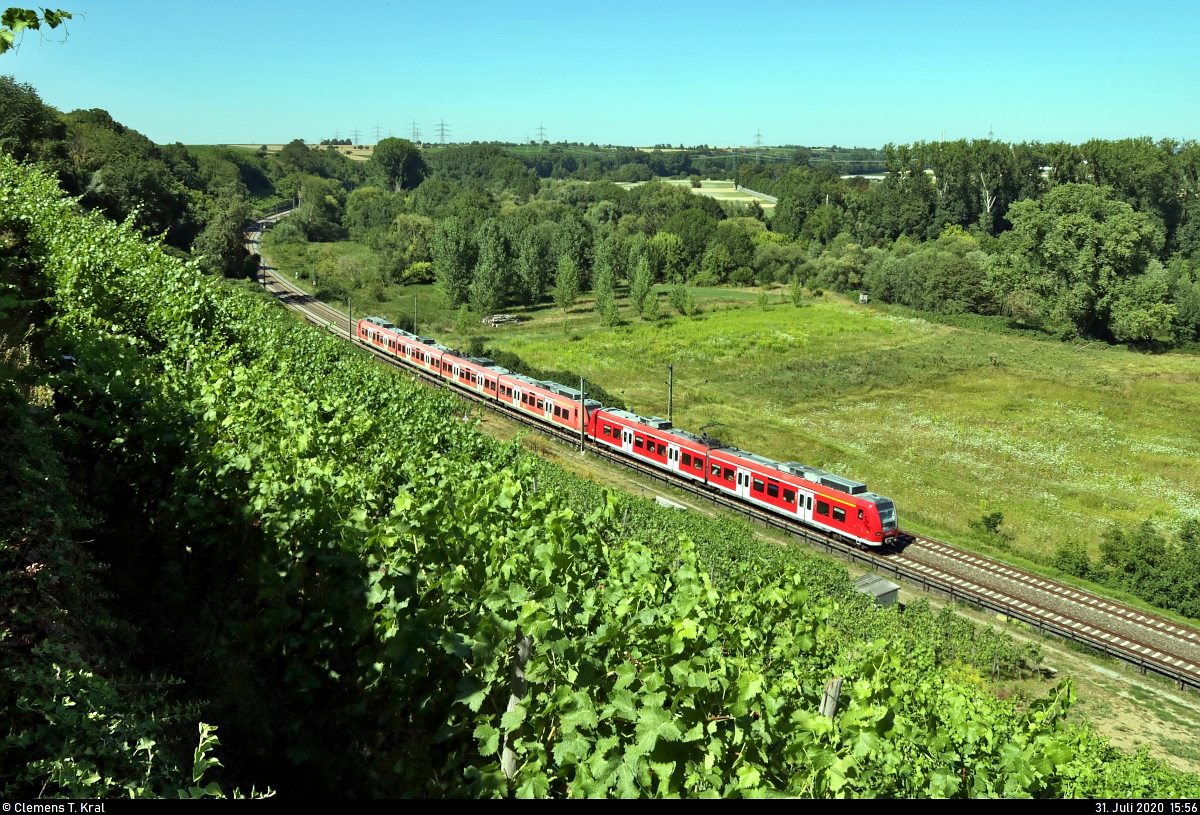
[[851, 73]]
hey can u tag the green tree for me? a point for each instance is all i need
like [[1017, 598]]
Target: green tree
[[566, 283], [666, 252], [489, 285], [221, 245], [572, 240], [642, 284], [796, 290], [677, 297], [790, 215], [604, 286], [396, 164], [532, 265], [650, 310], [717, 263], [1084, 254], [695, 229], [463, 321], [369, 208], [453, 260]]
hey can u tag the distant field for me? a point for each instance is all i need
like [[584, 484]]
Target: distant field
[[721, 190]]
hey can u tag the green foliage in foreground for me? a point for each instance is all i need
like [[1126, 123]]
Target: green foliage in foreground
[[370, 563]]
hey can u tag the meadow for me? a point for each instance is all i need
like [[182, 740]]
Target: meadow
[[952, 422]]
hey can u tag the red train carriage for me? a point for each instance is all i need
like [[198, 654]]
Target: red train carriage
[[546, 401], [382, 334], [814, 496], [653, 440]]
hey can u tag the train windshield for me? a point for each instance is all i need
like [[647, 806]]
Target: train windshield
[[887, 513]]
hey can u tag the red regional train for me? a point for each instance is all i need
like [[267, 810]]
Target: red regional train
[[814, 497]]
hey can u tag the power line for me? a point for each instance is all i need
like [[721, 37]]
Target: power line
[[416, 131], [378, 131], [442, 129], [541, 134], [758, 143], [355, 135]]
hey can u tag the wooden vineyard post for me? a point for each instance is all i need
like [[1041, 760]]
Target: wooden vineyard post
[[829, 699], [508, 758]]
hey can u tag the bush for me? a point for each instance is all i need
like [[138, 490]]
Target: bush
[[743, 276], [988, 523], [421, 272], [1071, 556]]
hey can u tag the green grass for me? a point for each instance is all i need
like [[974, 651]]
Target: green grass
[[949, 421]]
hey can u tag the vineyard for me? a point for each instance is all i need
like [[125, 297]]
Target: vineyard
[[369, 597]]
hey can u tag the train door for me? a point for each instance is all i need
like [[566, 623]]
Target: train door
[[549, 404], [673, 457], [743, 482], [804, 504], [456, 371], [626, 439], [516, 397]]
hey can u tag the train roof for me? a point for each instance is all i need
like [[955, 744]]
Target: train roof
[[817, 476], [554, 387], [661, 424], [379, 321]]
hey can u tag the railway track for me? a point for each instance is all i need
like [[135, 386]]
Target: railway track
[[1149, 643]]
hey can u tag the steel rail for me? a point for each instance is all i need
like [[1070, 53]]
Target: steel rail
[[1146, 658]]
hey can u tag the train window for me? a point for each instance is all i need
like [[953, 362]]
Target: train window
[[637, 442], [822, 508], [556, 411], [687, 460], [716, 471], [839, 514], [698, 464], [607, 430], [541, 405], [758, 485], [662, 449], [810, 502], [524, 398], [860, 515], [728, 474], [789, 496], [773, 490]]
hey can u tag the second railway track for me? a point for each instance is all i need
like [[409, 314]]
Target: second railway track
[[1150, 643]]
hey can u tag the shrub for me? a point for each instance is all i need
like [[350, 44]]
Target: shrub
[[742, 276]]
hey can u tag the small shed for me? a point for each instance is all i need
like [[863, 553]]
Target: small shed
[[884, 591]]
